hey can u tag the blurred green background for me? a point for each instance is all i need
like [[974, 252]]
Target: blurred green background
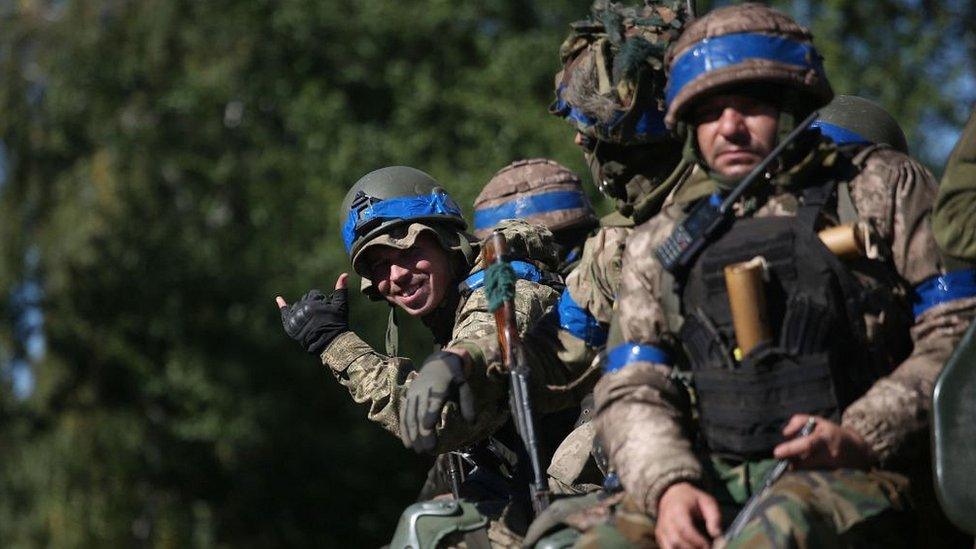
[[168, 166]]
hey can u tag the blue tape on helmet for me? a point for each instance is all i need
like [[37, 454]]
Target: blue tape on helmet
[[839, 135], [579, 322], [629, 353], [650, 123], [523, 270], [725, 51], [401, 207], [943, 288], [525, 206]]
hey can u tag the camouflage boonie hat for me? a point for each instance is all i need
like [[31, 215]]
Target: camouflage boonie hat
[[538, 190], [741, 45], [611, 86], [853, 120]]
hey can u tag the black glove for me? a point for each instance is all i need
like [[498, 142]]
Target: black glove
[[315, 320], [441, 380]]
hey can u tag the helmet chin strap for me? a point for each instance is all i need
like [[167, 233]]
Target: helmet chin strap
[[392, 333]]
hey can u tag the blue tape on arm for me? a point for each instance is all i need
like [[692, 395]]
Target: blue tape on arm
[[525, 206], [629, 353], [523, 270], [401, 207], [944, 288], [839, 135], [579, 322], [723, 51]]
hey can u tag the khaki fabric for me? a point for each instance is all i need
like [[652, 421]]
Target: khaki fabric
[[381, 381], [953, 221], [642, 416], [521, 181]]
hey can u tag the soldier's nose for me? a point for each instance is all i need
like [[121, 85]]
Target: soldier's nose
[[398, 273]]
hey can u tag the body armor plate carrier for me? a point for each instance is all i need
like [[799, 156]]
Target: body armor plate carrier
[[817, 361]]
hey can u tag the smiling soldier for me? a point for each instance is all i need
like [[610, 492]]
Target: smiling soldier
[[406, 237]]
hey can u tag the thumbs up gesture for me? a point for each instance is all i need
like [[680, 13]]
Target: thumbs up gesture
[[316, 320]]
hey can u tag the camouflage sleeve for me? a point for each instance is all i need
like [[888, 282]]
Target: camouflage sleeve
[[593, 284], [475, 332], [895, 194], [642, 414], [371, 378], [953, 221]]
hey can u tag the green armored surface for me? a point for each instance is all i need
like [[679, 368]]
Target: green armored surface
[[954, 444]]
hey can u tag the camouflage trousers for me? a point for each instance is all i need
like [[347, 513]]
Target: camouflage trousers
[[804, 509]]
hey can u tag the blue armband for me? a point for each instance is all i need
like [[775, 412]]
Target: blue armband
[[579, 322], [628, 353], [943, 288]]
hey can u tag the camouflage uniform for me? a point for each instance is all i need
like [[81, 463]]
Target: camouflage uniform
[[380, 381], [634, 160], [644, 413], [952, 220]]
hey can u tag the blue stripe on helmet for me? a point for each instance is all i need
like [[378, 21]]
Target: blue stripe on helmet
[[401, 207], [523, 270], [649, 124], [724, 51], [839, 135], [943, 288], [524, 206], [628, 353], [579, 322]]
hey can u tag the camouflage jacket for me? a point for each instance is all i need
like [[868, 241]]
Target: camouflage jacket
[[643, 414], [381, 381], [952, 219]]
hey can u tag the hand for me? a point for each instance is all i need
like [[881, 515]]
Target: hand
[[315, 320], [680, 514], [441, 379], [829, 446]]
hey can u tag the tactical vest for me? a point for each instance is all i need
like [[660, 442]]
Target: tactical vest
[[819, 358]]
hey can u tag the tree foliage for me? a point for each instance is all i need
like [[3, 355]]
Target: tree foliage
[[176, 164]]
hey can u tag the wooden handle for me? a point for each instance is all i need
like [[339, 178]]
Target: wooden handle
[[747, 301]]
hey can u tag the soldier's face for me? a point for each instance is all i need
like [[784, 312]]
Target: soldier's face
[[415, 279], [734, 132]]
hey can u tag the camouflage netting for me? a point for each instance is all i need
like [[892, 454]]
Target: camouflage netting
[[612, 83]]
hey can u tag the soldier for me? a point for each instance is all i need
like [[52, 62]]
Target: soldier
[[407, 237], [542, 192], [611, 90], [953, 221], [835, 345]]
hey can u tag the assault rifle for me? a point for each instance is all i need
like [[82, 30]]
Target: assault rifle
[[513, 356], [749, 509], [709, 217]]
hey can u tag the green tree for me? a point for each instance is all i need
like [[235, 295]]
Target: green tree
[[176, 164]]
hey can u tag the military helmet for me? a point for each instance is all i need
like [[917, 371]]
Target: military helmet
[[853, 120], [538, 190], [744, 45], [611, 86], [391, 206]]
